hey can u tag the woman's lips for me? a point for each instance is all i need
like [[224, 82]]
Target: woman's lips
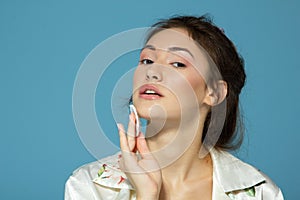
[[149, 92]]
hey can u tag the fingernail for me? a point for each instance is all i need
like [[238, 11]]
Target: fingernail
[[119, 126]]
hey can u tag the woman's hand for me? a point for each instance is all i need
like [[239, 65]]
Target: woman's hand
[[138, 163]]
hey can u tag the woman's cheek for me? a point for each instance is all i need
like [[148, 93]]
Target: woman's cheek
[[138, 77]]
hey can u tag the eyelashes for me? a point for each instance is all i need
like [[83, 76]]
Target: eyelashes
[[148, 61], [178, 64]]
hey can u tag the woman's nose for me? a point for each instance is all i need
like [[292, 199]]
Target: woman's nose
[[153, 74]]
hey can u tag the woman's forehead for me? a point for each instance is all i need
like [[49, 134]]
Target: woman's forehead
[[172, 37]]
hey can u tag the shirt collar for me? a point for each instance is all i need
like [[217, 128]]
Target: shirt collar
[[110, 174], [232, 173]]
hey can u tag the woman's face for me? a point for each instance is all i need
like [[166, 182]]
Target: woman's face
[[171, 75]]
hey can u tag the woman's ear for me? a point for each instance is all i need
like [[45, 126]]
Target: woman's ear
[[217, 94]]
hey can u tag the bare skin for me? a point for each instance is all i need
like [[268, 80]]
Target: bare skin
[[187, 176], [192, 180]]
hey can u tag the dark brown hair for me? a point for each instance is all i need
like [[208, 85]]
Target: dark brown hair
[[230, 65]]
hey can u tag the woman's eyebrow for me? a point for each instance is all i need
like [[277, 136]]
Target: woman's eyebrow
[[151, 47], [148, 46], [180, 49]]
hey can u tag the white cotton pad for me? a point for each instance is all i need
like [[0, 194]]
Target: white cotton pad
[[137, 124]]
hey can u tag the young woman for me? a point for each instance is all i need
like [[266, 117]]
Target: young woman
[[187, 86]]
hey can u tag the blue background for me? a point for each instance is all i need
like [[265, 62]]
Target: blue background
[[43, 43]]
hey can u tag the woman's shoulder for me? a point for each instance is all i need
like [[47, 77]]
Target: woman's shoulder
[[111, 160], [236, 176]]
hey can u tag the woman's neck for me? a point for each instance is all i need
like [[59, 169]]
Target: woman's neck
[[177, 151]]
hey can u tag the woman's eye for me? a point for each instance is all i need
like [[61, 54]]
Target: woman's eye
[[178, 64], [146, 61]]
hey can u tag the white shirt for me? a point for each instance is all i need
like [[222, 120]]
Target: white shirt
[[232, 179]]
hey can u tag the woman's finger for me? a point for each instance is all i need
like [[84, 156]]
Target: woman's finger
[[123, 138], [147, 162], [129, 159], [142, 146], [131, 132]]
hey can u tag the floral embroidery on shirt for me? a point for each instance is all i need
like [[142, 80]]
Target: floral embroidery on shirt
[[101, 170], [110, 175], [103, 177], [121, 179]]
